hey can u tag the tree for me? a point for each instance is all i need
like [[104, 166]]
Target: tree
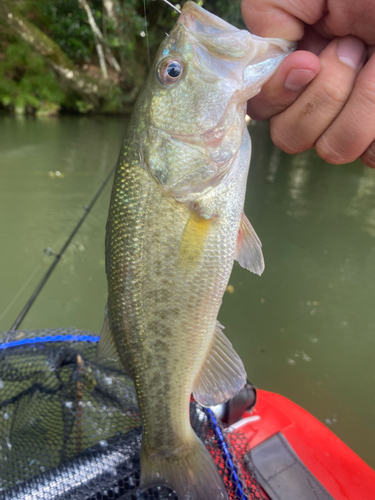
[[83, 54]]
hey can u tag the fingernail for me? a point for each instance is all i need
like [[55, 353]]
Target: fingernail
[[298, 78], [350, 51]]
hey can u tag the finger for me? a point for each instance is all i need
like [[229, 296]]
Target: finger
[[299, 126], [368, 156], [313, 41], [281, 18], [352, 133], [292, 76], [349, 18]]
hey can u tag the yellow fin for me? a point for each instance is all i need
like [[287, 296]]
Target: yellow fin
[[193, 240]]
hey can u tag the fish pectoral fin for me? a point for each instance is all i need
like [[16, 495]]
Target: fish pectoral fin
[[193, 240], [249, 248], [222, 374], [107, 347]]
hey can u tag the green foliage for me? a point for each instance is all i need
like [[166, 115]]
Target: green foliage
[[83, 107], [66, 23], [228, 10], [26, 82]]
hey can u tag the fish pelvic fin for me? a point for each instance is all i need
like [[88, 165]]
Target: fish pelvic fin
[[107, 350], [107, 347], [193, 240], [222, 374], [190, 472], [249, 248]]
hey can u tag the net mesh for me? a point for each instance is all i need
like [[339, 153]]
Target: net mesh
[[70, 427]]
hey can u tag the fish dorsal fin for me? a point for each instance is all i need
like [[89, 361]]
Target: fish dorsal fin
[[222, 374], [249, 248], [107, 347], [193, 240]]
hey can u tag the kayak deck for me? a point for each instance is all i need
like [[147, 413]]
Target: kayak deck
[[297, 457]]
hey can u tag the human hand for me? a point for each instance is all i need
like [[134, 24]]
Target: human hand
[[322, 95]]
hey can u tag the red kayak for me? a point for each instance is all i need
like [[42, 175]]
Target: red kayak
[[297, 457]]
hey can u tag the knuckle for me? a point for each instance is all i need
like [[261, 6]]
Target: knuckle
[[368, 156], [256, 110], [329, 153], [284, 138], [333, 93], [366, 91]]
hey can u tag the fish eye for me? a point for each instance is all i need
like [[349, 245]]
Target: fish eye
[[170, 71]]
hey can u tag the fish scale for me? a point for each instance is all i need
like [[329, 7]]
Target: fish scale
[[175, 225]]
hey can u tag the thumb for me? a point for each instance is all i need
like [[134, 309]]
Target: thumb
[[292, 76]]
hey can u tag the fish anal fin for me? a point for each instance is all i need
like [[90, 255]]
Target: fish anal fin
[[222, 374], [189, 471], [249, 248], [193, 240]]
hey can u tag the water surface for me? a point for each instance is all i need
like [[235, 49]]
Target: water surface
[[305, 329]]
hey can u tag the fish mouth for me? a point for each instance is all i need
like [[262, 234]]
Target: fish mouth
[[254, 57], [219, 37]]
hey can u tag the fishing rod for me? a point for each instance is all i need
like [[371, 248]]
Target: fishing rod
[[58, 256]]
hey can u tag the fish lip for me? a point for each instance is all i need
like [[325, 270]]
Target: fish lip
[[196, 19]]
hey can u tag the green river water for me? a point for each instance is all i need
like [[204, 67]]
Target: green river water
[[305, 329]]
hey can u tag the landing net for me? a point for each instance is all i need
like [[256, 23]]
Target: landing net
[[70, 427]]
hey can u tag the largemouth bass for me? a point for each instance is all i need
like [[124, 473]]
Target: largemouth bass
[[175, 226]]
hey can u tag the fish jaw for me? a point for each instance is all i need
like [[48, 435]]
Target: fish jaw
[[195, 125]]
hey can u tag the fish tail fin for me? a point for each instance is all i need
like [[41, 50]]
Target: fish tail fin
[[192, 475]]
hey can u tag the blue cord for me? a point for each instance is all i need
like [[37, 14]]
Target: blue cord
[[226, 455], [50, 338]]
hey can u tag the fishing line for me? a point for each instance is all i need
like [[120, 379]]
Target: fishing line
[[173, 6], [47, 251], [147, 44], [58, 256], [20, 291]]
